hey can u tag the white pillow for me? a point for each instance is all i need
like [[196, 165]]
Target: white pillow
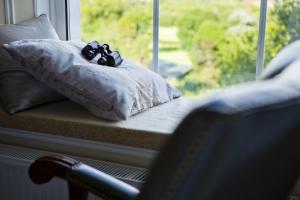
[[107, 92], [36, 28], [18, 89]]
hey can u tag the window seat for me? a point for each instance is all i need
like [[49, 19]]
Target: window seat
[[147, 130]]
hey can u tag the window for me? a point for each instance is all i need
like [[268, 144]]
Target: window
[[197, 45]]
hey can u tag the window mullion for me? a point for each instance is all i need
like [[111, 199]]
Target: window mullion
[[261, 38], [9, 11], [155, 35]]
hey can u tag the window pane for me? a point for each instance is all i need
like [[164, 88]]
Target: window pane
[[208, 44], [126, 25], [283, 25]]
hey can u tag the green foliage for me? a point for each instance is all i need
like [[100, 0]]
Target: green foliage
[[228, 39], [277, 38], [124, 24], [189, 24], [218, 36], [288, 14], [236, 58], [134, 36], [238, 65]]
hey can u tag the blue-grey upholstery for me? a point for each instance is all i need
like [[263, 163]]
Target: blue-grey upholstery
[[242, 144]]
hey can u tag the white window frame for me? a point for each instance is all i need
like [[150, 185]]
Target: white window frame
[[9, 12], [261, 38], [56, 11], [73, 19], [64, 15], [155, 52]]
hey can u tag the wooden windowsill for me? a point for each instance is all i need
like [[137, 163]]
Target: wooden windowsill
[[148, 130]]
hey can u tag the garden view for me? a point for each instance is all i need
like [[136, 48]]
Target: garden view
[[204, 44]]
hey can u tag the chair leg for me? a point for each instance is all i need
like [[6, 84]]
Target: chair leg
[[77, 193]]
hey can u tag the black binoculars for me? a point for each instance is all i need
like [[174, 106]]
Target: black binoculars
[[108, 57]]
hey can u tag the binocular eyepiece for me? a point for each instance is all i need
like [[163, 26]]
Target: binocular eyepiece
[[108, 57]]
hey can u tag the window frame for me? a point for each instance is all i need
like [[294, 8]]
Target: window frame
[[57, 13], [260, 60], [9, 12], [155, 51], [73, 31]]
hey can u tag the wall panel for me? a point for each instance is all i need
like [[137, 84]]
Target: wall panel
[[14, 11], [24, 9], [2, 16]]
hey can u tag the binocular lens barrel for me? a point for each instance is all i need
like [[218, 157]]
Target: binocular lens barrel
[[108, 57]]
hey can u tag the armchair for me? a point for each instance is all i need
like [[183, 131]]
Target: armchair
[[241, 144]]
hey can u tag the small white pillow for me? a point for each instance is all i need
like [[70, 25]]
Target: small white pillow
[[19, 90], [107, 92], [36, 28]]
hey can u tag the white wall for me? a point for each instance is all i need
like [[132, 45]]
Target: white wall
[[24, 9], [20, 10], [2, 19]]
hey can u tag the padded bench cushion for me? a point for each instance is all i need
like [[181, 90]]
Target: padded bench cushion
[[146, 130]]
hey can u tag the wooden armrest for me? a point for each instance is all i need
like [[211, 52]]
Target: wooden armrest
[[81, 178]]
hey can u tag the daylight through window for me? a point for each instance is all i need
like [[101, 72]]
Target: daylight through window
[[203, 44]]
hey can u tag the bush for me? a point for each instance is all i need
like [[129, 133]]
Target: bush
[[283, 27], [135, 35], [228, 39], [287, 13], [208, 33], [125, 25], [189, 24], [236, 58]]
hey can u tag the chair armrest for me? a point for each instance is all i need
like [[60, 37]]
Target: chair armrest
[[80, 177]]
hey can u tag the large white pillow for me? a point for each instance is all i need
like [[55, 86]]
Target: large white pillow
[[107, 92]]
